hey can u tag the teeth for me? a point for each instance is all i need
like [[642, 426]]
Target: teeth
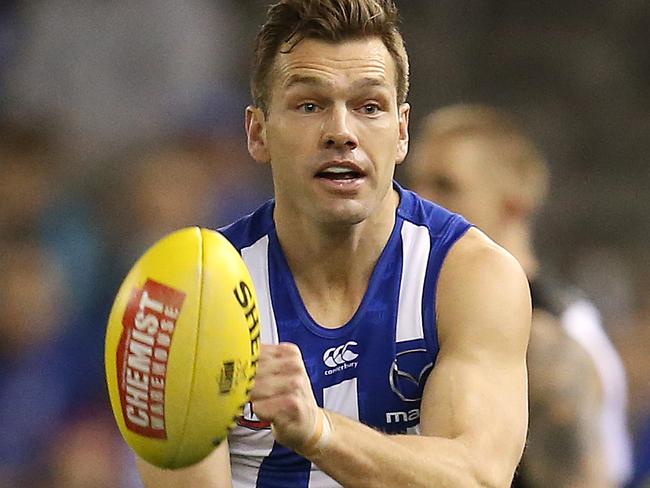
[[337, 169]]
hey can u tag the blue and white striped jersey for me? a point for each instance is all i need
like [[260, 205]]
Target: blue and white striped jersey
[[373, 368]]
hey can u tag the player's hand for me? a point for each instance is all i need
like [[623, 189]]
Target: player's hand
[[283, 396]]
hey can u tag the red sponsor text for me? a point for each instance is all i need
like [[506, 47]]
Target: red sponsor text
[[142, 355]]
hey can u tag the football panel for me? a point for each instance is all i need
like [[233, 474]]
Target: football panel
[[150, 346], [227, 349]]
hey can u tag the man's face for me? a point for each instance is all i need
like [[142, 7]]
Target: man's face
[[451, 171], [334, 131]]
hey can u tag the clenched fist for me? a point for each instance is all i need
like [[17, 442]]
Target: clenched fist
[[283, 396]]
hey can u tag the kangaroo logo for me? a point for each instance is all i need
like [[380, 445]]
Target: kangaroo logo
[[336, 356]]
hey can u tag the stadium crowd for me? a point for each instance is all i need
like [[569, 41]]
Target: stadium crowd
[[122, 121]]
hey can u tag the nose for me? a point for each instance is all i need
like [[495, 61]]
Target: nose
[[337, 129]]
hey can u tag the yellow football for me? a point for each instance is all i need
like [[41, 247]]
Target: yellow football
[[182, 344]]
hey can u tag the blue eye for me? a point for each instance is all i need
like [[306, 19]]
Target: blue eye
[[370, 109], [309, 107]]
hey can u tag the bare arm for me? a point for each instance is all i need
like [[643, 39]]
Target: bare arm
[[212, 472], [564, 447], [474, 410]]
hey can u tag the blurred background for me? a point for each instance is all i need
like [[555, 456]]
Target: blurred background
[[121, 121]]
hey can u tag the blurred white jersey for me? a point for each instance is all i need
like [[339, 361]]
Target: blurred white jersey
[[581, 321]]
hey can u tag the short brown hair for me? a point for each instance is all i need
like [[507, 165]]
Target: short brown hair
[[291, 21]]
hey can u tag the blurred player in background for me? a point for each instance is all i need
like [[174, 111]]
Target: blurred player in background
[[363, 286], [477, 161]]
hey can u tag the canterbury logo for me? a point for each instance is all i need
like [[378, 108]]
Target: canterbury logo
[[335, 356]]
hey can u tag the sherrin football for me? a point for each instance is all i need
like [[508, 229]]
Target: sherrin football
[[181, 349]]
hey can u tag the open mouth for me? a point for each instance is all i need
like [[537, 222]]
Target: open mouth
[[339, 173]]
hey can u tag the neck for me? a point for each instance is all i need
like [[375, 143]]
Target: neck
[[332, 263], [334, 252], [516, 238]]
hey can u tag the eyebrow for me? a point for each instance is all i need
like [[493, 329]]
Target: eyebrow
[[294, 80], [319, 82]]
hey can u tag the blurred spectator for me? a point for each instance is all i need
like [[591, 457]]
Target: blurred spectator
[[37, 201], [51, 334], [113, 73], [28, 170], [164, 186], [88, 452], [46, 367], [476, 160]]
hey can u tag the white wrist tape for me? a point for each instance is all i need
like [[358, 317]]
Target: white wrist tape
[[320, 435]]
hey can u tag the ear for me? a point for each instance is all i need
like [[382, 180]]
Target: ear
[[403, 141], [515, 207], [256, 134]]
